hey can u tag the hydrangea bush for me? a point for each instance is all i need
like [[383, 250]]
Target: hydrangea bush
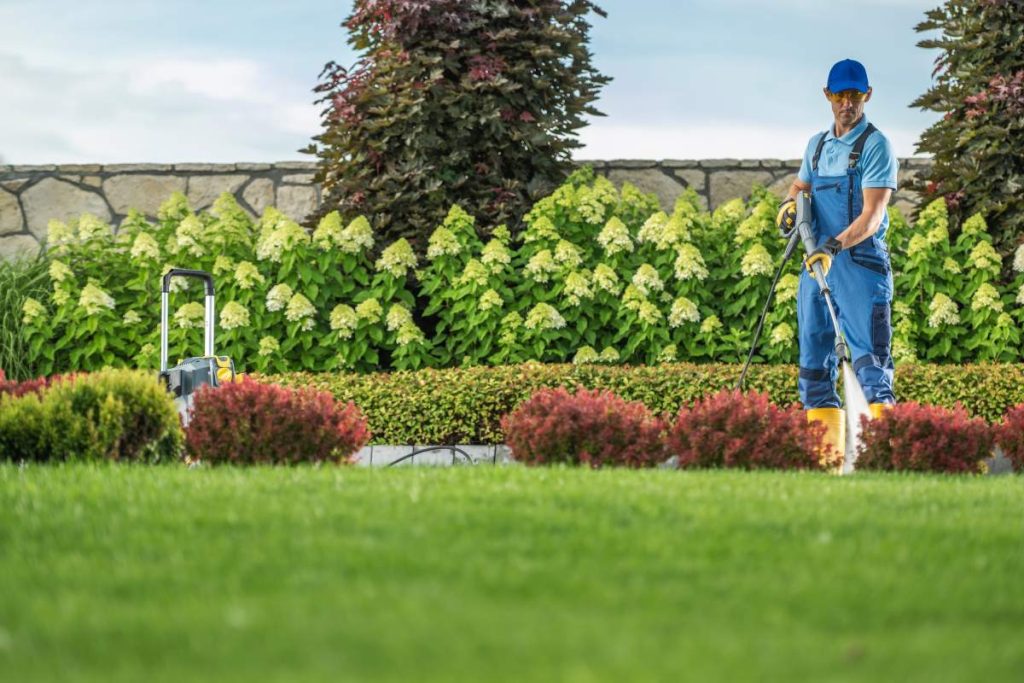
[[598, 275]]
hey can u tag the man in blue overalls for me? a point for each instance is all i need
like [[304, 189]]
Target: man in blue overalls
[[850, 171]]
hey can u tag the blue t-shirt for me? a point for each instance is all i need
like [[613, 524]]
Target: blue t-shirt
[[877, 165]]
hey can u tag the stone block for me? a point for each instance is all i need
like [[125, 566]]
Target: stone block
[[203, 190], [298, 178], [296, 165], [92, 181], [781, 185], [13, 246], [137, 168], [597, 164], [680, 163], [632, 163], [653, 180], [142, 192], [720, 163], [51, 199], [750, 163], [79, 168], [34, 168], [204, 168], [248, 166], [14, 185], [296, 201], [11, 220], [726, 185], [259, 194]]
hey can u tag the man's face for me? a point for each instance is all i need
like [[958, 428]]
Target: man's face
[[847, 108]]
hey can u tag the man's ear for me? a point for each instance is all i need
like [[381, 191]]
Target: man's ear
[[824, 91], [868, 98]]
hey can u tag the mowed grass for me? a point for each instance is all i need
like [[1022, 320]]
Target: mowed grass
[[112, 573]]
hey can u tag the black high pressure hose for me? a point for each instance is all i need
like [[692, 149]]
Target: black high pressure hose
[[794, 237]]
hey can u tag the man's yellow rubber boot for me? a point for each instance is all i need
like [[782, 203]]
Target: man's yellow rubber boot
[[834, 420], [877, 409]]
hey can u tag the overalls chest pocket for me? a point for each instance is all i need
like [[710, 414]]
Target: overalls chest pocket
[[872, 254]]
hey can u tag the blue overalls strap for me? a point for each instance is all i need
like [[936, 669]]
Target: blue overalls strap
[[851, 169], [817, 152]]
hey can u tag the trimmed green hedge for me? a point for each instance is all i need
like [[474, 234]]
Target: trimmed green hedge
[[464, 405]]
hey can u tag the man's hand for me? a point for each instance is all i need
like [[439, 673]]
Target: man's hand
[[786, 219], [823, 255]]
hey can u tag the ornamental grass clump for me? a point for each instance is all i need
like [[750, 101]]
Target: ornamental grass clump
[[923, 438], [1009, 434], [249, 422], [746, 431], [593, 428]]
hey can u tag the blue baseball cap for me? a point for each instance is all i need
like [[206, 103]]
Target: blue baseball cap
[[848, 74]]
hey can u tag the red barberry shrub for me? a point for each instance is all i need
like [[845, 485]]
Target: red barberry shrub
[[595, 428], [920, 438], [747, 431], [1009, 434], [251, 422], [14, 388]]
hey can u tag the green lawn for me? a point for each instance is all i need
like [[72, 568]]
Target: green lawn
[[507, 574]]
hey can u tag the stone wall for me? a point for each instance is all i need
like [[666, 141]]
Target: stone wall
[[30, 196]]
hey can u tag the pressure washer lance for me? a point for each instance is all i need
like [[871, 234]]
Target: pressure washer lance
[[853, 394], [185, 378]]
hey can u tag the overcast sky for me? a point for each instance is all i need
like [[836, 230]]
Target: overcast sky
[[230, 80]]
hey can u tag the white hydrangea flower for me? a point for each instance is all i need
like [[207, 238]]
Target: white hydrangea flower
[[729, 213], [544, 317], [610, 355], [689, 263], [901, 309], [93, 299], [983, 257], [987, 296], [710, 324], [951, 266], [614, 237], [757, 261], [370, 311], [90, 227], [234, 315], [271, 246], [247, 275], [61, 296], [278, 297], [649, 313], [1004, 320], [300, 309], [541, 266], [509, 325], [674, 232], [496, 255], [782, 335], [568, 254], [787, 288], [502, 234], [903, 351], [443, 242], [409, 333], [490, 299], [397, 259], [683, 311], [188, 237], [974, 225], [584, 355], [475, 273], [942, 311], [223, 264], [398, 315], [59, 272], [145, 247], [577, 287], [268, 346], [357, 236], [58, 233], [632, 298], [650, 231], [178, 284], [344, 321], [759, 222], [668, 354], [647, 280], [1020, 295], [32, 311], [541, 229], [1018, 259], [131, 318], [918, 244], [606, 278], [190, 316], [328, 232]]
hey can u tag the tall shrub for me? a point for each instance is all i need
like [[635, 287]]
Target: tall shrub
[[453, 101], [978, 86]]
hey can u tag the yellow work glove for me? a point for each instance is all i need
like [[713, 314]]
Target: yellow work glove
[[823, 255], [786, 218]]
